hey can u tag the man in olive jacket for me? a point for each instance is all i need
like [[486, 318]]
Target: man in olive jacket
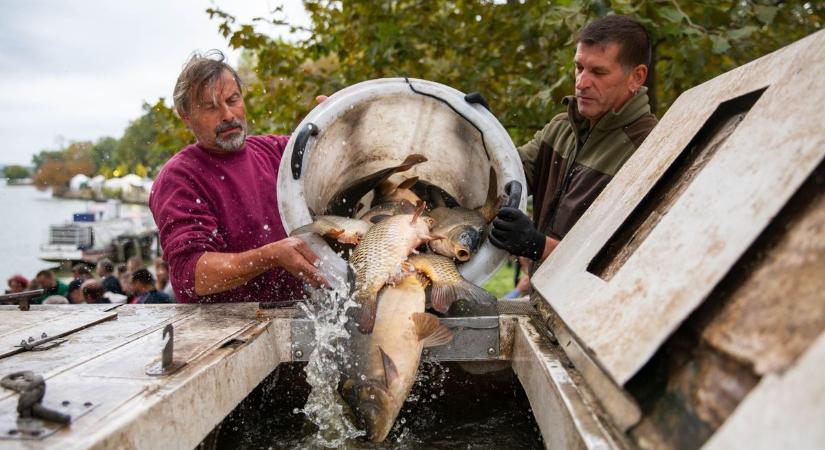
[[570, 161]]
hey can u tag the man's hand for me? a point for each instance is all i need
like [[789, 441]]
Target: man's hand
[[514, 231], [295, 256]]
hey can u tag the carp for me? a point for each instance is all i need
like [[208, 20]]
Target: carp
[[344, 202], [463, 229], [449, 286], [380, 258], [387, 191], [386, 360], [341, 229], [388, 209]]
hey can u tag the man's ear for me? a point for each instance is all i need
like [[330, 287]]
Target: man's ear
[[637, 77], [185, 118]]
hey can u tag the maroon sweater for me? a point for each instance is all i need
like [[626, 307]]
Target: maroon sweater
[[219, 202]]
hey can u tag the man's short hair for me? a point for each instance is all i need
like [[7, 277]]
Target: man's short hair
[[143, 276], [632, 37], [81, 269], [92, 289], [44, 273], [107, 265], [198, 72]]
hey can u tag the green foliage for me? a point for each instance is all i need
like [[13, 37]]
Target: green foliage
[[502, 281], [518, 54], [15, 172]]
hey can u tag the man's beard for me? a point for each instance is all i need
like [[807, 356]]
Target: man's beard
[[234, 141]]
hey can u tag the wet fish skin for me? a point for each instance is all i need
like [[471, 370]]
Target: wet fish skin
[[380, 258], [448, 286], [388, 209], [390, 356], [388, 191], [344, 202], [342, 229]]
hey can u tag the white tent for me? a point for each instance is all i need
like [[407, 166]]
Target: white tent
[[78, 182]]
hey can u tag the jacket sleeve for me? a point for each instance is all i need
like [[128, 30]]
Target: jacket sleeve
[[187, 227]]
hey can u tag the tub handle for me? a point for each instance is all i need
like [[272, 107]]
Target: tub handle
[[477, 99], [300, 146], [513, 191]]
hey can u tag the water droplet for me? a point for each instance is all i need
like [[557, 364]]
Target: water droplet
[[197, 200]]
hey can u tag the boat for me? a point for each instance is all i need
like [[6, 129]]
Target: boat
[[99, 233]]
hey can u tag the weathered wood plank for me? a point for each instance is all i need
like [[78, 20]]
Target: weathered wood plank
[[713, 222]]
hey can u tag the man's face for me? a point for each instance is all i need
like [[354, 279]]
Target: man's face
[[99, 270], [46, 282], [218, 117], [602, 83]]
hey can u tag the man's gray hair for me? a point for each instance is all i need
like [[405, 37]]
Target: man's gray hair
[[198, 72]]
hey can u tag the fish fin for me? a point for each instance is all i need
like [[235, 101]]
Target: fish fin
[[351, 278], [437, 198], [334, 233], [365, 315], [442, 297], [410, 161], [390, 371], [431, 332], [408, 183], [407, 207], [493, 202], [308, 228], [384, 189], [359, 207], [379, 217], [419, 209], [475, 294]]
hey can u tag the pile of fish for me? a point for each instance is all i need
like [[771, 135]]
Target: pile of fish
[[403, 252]]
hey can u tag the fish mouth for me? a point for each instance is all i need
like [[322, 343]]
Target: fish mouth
[[466, 243], [370, 403], [462, 254]]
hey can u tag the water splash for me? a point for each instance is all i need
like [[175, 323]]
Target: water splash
[[324, 407]]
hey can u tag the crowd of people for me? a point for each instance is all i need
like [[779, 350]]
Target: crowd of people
[[105, 282]]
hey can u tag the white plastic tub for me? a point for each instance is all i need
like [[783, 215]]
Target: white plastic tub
[[376, 124]]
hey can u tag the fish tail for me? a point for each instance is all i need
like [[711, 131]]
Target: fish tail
[[443, 295]]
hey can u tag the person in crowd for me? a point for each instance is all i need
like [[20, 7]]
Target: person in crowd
[[134, 263], [146, 290], [570, 161], [93, 291], [74, 292], [50, 285], [106, 272], [162, 274], [81, 271], [17, 283], [215, 201]]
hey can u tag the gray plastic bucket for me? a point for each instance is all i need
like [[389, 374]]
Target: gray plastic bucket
[[376, 124]]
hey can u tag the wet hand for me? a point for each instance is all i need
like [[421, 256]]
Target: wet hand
[[295, 256], [514, 231]]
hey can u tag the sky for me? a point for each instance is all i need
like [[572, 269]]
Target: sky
[[81, 70]]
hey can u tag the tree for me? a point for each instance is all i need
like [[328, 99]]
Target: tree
[[518, 54], [55, 169], [15, 172]]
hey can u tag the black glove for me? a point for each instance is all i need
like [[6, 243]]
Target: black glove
[[514, 231]]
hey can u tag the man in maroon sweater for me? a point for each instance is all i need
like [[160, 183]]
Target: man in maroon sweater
[[215, 202]]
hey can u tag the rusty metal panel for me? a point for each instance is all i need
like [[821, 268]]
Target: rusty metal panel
[[625, 316]]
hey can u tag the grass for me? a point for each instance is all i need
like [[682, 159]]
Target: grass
[[502, 281]]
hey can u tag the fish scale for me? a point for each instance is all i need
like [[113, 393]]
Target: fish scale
[[379, 258]]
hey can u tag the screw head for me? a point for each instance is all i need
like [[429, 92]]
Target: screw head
[[87, 404], [31, 339], [44, 335], [65, 403], [34, 432], [491, 351], [13, 431], [299, 354]]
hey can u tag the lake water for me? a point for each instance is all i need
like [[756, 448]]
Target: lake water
[[27, 215]]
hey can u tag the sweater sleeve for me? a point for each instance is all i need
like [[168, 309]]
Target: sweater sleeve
[[186, 225]]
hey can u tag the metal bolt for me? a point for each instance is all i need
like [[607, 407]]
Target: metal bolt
[[34, 432], [87, 404], [31, 339], [23, 343], [13, 431], [44, 335], [65, 403], [299, 354], [491, 351]]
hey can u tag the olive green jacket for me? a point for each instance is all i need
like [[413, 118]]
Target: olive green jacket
[[567, 165]]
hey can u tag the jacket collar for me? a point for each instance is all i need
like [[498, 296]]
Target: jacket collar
[[636, 107]]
